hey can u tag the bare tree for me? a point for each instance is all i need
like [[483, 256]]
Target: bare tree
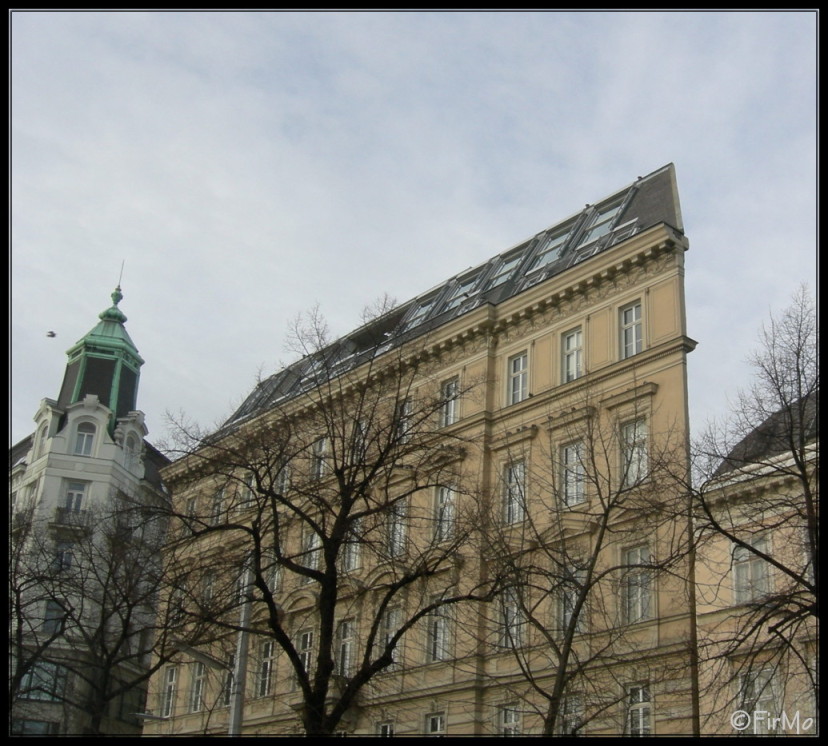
[[757, 513], [84, 629], [313, 514], [598, 555]]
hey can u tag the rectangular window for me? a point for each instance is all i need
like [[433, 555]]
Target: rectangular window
[[512, 621], [402, 416], [635, 589], [508, 719], [247, 493], [573, 355], [756, 694], [384, 729], [281, 483], [318, 457], [449, 393], [600, 223], [572, 473], [391, 620], [208, 587], [312, 551], [571, 587], [571, 715], [304, 648], [85, 439], [344, 647], [396, 529], [217, 507], [518, 378], [64, 556], [750, 571], [54, 618], [44, 681], [197, 687], [75, 492], [168, 691], [505, 269], [437, 635], [550, 252], [514, 478], [631, 330], [34, 728], [227, 683], [264, 682], [435, 724], [634, 453], [444, 514], [639, 711], [349, 557]]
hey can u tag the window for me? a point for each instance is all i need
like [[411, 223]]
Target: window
[[396, 529], [572, 345], [750, 571], [264, 678], [571, 715], [756, 694], [634, 453], [460, 293], [344, 647], [34, 728], [74, 496], [437, 635], [402, 415], [419, 314], [304, 648], [435, 724], [282, 481], [388, 628], [449, 392], [217, 507], [246, 493], [318, 457], [508, 720], [168, 691], [512, 620], [550, 252], [312, 551], [638, 711], [600, 223], [197, 687], [131, 452], [635, 589], [518, 378], [572, 476], [191, 509], [208, 587], [44, 681], [40, 447], [227, 683], [84, 439], [54, 618], [384, 729], [444, 514], [571, 586], [631, 330], [513, 492], [504, 270], [64, 556], [349, 559]]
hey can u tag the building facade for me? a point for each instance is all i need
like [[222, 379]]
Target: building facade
[[79, 612], [465, 517]]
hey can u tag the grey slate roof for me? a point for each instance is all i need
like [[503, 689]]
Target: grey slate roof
[[650, 200]]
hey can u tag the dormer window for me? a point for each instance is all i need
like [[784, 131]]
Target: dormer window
[[550, 251], [84, 439], [505, 269], [131, 452], [462, 291], [601, 222]]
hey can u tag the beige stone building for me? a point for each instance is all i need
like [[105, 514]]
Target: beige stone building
[[466, 516]]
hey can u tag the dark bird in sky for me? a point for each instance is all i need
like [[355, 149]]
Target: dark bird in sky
[[51, 334]]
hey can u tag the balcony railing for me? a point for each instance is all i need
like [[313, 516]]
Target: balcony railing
[[69, 517]]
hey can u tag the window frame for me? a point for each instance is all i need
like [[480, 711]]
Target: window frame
[[169, 691], [345, 646], [640, 710], [197, 681], [85, 433], [636, 585], [508, 720], [396, 528], [437, 718], [635, 457], [631, 332], [517, 389], [264, 673], [438, 635], [45, 681], [751, 573], [514, 492], [511, 622], [445, 504], [449, 396], [573, 474], [570, 354]]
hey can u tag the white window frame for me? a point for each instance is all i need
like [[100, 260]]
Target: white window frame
[[217, 507], [131, 451], [312, 551], [402, 415], [389, 625], [636, 587], [449, 395], [512, 623], [514, 492], [508, 720], [601, 222], [350, 549], [85, 438], [438, 635], [571, 715], [304, 649], [264, 676], [634, 452], [639, 710], [319, 458], [197, 679], [518, 378], [570, 589], [573, 477], [345, 646], [64, 556], [444, 508], [751, 573], [75, 496], [227, 681], [384, 728], [168, 691], [757, 693], [435, 723], [572, 354], [631, 330], [396, 528]]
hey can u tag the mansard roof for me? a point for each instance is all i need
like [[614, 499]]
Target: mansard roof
[[649, 201]]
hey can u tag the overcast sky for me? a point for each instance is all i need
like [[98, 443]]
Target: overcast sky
[[246, 165]]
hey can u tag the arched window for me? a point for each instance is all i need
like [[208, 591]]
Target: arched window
[[40, 443], [85, 439], [131, 452]]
